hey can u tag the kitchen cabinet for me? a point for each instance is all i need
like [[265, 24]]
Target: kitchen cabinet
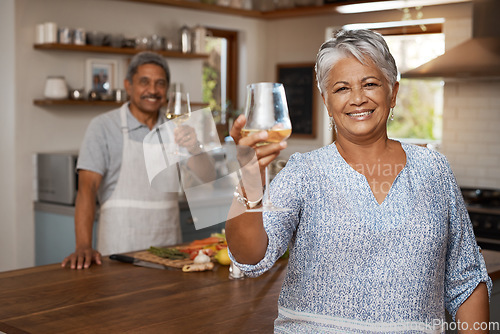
[[495, 302], [55, 231], [54, 237], [189, 232]]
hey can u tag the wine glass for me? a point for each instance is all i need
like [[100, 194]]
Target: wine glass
[[178, 109], [267, 110]]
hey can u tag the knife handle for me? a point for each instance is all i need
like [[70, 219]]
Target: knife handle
[[122, 258]]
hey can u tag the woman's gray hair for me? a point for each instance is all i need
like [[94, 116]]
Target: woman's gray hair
[[360, 44], [147, 57]]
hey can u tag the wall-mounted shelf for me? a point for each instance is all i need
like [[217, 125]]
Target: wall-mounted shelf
[[112, 50], [66, 102], [51, 102]]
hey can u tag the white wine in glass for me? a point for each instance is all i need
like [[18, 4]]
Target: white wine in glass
[[178, 109], [267, 110], [273, 135]]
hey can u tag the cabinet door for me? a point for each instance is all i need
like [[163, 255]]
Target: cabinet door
[[190, 233], [54, 237], [495, 304]]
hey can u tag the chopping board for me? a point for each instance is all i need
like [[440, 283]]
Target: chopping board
[[147, 256]]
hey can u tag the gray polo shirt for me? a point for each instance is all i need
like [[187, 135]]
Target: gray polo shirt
[[102, 147]]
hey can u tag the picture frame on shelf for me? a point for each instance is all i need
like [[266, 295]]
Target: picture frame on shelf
[[101, 75]]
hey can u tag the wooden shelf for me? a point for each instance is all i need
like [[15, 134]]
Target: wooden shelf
[[112, 50], [53, 102], [298, 11], [66, 102]]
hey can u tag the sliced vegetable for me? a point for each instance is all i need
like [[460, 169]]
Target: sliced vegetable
[[195, 253], [206, 241]]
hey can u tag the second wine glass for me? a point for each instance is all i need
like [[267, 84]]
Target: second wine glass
[[267, 110], [178, 109]]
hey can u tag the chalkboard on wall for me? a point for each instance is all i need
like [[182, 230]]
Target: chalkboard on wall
[[299, 83]]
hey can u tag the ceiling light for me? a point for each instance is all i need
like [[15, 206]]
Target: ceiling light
[[393, 4]]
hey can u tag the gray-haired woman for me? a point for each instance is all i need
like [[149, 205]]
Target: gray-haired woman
[[378, 233]]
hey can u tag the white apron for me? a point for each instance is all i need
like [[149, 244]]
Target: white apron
[[135, 216]]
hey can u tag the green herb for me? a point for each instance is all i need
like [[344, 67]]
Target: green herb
[[168, 253]]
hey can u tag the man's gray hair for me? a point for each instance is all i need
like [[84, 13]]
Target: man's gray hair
[[361, 44], [147, 57]]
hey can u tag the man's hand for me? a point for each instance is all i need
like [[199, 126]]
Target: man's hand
[[82, 258], [185, 136]]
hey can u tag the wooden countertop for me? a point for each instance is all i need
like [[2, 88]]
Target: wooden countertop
[[117, 298]]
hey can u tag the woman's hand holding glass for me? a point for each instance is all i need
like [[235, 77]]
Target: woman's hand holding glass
[[266, 152], [265, 126]]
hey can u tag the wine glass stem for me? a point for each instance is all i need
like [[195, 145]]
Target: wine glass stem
[[267, 202]]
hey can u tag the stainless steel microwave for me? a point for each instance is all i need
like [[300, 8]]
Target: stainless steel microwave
[[57, 179]]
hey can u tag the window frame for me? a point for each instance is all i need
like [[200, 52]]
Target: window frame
[[435, 28], [232, 61]]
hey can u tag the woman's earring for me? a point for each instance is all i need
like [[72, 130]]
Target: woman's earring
[[392, 114], [330, 125]]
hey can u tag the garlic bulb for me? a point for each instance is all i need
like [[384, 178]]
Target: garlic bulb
[[201, 257]]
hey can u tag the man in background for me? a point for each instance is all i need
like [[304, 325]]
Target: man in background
[[112, 172]]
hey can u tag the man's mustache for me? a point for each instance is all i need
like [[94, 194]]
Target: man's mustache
[[151, 96]]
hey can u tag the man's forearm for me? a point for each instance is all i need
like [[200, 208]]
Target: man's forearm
[[84, 222], [203, 166]]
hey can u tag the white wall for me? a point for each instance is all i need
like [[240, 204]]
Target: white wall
[[471, 122], [8, 227], [471, 136]]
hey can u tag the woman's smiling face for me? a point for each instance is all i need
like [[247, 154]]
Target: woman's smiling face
[[359, 99]]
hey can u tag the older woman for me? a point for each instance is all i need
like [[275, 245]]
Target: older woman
[[378, 233]]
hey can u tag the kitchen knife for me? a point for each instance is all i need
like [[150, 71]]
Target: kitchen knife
[[137, 262]]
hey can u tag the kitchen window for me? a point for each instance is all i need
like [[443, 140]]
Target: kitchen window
[[419, 107], [220, 77]]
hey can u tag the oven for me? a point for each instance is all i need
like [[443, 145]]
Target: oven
[[484, 211]]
